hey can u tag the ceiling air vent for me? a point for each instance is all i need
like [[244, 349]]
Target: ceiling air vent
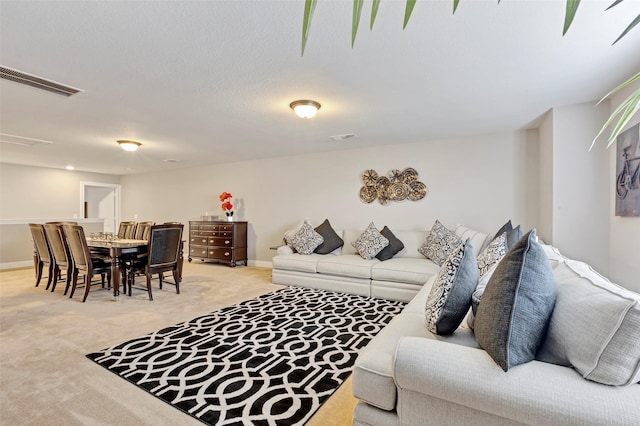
[[37, 82], [343, 137]]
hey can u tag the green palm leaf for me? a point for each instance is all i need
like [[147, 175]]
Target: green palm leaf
[[455, 5], [571, 9], [407, 12], [374, 12], [357, 11], [309, 7], [631, 25]]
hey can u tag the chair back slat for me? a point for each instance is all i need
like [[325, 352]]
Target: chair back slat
[[127, 230], [40, 241], [143, 230], [164, 245]]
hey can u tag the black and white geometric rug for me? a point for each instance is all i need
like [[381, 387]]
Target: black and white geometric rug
[[273, 360]]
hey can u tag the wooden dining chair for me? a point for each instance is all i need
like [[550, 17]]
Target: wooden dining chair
[[143, 230], [61, 254], [43, 253], [163, 255], [84, 262], [127, 230]]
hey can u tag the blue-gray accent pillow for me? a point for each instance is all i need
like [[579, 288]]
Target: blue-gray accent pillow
[[504, 228], [513, 236], [395, 245], [513, 315], [331, 239], [450, 295]]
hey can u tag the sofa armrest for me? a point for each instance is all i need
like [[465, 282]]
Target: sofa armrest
[[284, 250], [532, 393]]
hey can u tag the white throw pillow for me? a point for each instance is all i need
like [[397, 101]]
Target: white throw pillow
[[370, 242], [306, 239]]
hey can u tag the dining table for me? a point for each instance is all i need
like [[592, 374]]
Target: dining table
[[116, 248]]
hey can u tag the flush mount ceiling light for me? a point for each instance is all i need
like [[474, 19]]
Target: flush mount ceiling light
[[129, 145], [305, 108]]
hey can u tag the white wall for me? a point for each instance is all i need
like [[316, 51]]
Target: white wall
[[580, 185], [479, 181], [624, 232], [43, 193], [545, 169]]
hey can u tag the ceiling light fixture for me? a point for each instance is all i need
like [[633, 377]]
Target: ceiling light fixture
[[129, 145], [305, 108], [70, 167]]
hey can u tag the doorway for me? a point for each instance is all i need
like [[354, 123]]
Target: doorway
[[101, 201]]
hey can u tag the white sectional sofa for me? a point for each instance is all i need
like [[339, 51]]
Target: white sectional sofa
[[586, 371], [399, 278]]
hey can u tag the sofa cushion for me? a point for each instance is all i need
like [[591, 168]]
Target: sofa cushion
[[331, 240], [516, 305], [370, 242], [439, 243], [394, 246], [405, 270], [412, 241], [491, 255], [373, 370], [349, 236], [347, 265], [296, 262], [450, 295], [595, 326], [479, 239], [306, 239]]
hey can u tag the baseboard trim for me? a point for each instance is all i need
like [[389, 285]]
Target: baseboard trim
[[16, 265]]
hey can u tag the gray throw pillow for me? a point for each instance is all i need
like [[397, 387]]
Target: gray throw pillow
[[439, 243], [504, 228], [450, 296], [306, 239], [513, 236], [515, 308], [395, 245], [493, 254], [370, 242], [331, 239]]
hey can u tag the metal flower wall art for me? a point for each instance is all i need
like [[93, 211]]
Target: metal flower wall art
[[395, 186]]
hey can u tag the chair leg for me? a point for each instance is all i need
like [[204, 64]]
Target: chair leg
[[149, 286], [69, 274], [160, 275], [87, 286], [75, 281], [56, 274], [176, 279], [39, 272], [51, 276]]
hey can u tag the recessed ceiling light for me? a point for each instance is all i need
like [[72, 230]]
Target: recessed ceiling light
[[70, 167]]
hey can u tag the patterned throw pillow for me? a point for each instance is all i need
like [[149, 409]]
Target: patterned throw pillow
[[395, 245], [331, 240], [516, 306], [450, 296], [439, 243], [494, 252], [370, 242], [306, 239]]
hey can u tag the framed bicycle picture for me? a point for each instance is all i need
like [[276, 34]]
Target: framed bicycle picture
[[628, 172]]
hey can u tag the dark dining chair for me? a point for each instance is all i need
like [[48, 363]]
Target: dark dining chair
[[127, 230], [84, 262], [163, 255], [61, 254], [43, 253]]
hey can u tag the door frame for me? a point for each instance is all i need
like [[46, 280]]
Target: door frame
[[117, 191]]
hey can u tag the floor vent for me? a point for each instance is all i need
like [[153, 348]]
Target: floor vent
[[37, 82]]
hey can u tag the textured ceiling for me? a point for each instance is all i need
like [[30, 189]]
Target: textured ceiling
[[211, 81]]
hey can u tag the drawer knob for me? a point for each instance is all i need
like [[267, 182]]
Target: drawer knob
[[227, 242], [226, 253]]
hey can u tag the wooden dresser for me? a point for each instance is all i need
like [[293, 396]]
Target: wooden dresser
[[218, 241]]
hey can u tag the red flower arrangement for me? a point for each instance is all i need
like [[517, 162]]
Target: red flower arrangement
[[227, 207]]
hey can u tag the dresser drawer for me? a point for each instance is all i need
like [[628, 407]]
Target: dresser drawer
[[198, 251], [221, 241], [198, 241], [220, 253], [227, 228]]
